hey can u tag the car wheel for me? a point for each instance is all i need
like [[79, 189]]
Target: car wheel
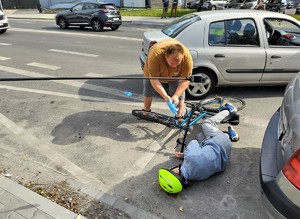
[[97, 25], [213, 8], [3, 31], [198, 90], [62, 22], [115, 27]]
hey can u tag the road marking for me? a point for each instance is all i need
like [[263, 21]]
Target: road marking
[[92, 74], [73, 53], [105, 90], [152, 150], [40, 65], [5, 44], [48, 151], [75, 34], [2, 58]]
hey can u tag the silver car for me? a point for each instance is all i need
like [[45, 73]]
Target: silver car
[[280, 157], [214, 5], [243, 47], [3, 22]]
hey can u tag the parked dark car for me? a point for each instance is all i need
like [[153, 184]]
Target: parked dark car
[[280, 157], [241, 4], [297, 9], [96, 15], [197, 4], [290, 4], [276, 5]]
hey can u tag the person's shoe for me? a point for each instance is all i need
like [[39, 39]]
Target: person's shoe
[[233, 135], [230, 107]]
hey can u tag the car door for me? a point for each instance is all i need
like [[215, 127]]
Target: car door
[[74, 16], [240, 56], [86, 13], [282, 58]]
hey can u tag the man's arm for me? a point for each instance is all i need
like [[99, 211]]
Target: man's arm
[[156, 84]]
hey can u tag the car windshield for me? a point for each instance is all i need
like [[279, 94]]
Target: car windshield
[[174, 28], [284, 25]]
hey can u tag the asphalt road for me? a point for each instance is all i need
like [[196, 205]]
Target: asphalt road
[[83, 130]]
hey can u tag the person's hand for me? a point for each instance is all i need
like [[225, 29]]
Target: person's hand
[[172, 107]]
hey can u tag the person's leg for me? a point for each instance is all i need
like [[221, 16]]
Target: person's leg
[[210, 125], [148, 92]]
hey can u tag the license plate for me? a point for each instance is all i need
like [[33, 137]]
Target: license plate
[[116, 19]]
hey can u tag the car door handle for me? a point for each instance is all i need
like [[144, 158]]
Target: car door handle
[[219, 56], [275, 57]]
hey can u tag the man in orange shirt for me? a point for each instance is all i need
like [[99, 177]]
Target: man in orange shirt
[[168, 58]]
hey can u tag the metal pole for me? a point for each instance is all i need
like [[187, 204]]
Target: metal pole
[[192, 78]]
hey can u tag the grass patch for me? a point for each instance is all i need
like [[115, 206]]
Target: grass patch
[[153, 12]]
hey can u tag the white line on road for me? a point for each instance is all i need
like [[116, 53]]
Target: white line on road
[[75, 34], [104, 90], [4, 58], [73, 53], [40, 65], [5, 44]]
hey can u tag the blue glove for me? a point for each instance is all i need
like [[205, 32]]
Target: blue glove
[[172, 107]]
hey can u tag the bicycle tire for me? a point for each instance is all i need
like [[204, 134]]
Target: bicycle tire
[[154, 117], [213, 104]]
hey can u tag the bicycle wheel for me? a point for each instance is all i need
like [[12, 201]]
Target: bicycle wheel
[[215, 104], [154, 117]]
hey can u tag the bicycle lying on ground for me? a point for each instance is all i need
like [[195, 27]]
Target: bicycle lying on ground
[[196, 112]]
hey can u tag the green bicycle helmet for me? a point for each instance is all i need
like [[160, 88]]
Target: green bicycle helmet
[[170, 181]]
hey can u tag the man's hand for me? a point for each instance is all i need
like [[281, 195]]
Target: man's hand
[[172, 107]]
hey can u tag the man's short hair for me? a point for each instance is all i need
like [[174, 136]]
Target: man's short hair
[[174, 49]]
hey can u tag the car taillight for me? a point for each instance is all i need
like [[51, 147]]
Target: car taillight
[[151, 44], [292, 169], [288, 36], [103, 10]]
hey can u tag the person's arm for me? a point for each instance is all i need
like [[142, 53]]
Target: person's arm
[[156, 84], [182, 86]]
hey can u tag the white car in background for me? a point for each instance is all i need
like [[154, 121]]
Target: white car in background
[[234, 47], [3, 22]]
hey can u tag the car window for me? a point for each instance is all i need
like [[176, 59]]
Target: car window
[[174, 28], [217, 33], [239, 32], [89, 6], [77, 7], [282, 32]]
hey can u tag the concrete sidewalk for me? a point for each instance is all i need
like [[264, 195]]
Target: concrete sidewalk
[[33, 14]]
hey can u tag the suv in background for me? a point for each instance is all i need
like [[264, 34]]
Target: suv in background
[[3, 22], [90, 13]]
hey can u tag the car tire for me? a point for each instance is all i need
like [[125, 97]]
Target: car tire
[[97, 25], [62, 23], [213, 8], [198, 90], [115, 27], [3, 31]]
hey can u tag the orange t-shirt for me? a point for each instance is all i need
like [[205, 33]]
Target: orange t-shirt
[[157, 66]]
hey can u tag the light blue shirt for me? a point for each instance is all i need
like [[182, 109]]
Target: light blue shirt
[[203, 160]]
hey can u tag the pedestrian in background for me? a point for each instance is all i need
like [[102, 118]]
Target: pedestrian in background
[[174, 8], [165, 8]]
